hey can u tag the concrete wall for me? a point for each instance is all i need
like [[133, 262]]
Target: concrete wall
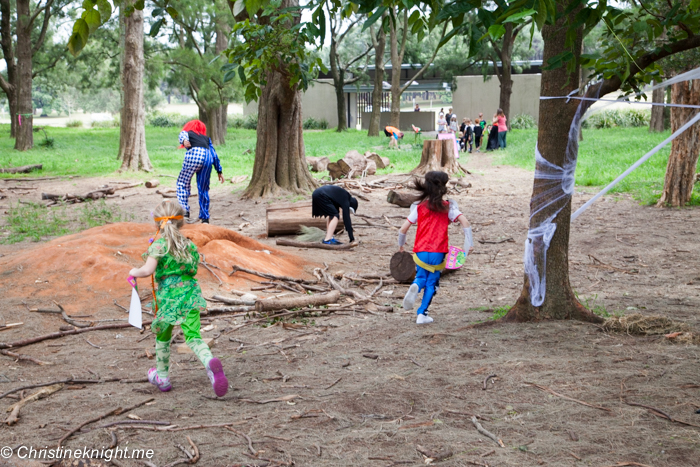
[[423, 120], [318, 101], [474, 95]]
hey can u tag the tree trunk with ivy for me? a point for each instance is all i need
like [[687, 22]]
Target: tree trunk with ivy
[[23, 86], [554, 134], [680, 170], [132, 130]]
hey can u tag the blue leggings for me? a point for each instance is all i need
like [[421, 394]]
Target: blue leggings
[[430, 281], [200, 165]]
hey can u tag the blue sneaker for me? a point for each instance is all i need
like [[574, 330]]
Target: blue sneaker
[[332, 241]]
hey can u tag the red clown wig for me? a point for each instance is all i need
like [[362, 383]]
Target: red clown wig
[[195, 125]]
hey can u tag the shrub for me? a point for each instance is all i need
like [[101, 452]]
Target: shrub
[[313, 124], [75, 123], [251, 122], [618, 118], [114, 123], [167, 120], [523, 122], [235, 122]]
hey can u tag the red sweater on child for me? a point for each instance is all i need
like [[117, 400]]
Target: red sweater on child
[[432, 226]]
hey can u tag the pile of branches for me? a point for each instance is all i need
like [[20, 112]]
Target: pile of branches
[[68, 198]]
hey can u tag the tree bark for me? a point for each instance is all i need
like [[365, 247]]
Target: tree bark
[[297, 301], [338, 75], [397, 48], [680, 171], [218, 115], [505, 53], [438, 154], [132, 132], [558, 145], [8, 86], [379, 42], [656, 124], [24, 135]]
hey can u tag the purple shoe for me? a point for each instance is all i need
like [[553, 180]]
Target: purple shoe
[[217, 377], [161, 383]]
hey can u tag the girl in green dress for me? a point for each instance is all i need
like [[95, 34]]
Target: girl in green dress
[[174, 260]]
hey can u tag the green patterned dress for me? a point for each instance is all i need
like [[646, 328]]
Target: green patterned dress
[[178, 292]]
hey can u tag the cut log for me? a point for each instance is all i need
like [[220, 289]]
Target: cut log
[[402, 267], [355, 163], [287, 219], [371, 168], [296, 302], [152, 183], [319, 245], [402, 199], [318, 164], [381, 162], [438, 154], [335, 170], [21, 170]]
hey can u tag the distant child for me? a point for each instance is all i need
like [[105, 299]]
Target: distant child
[[199, 158], [463, 133], [178, 300], [442, 123], [478, 133], [454, 128], [433, 215], [394, 135]]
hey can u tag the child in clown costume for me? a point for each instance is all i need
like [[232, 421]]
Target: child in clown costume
[[174, 260]]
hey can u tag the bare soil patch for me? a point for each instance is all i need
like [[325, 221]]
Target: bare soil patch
[[426, 381]]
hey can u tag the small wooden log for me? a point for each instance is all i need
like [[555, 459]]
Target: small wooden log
[[152, 183], [380, 162], [319, 245], [318, 164], [402, 267], [297, 301], [402, 199], [335, 171], [21, 170], [287, 218]]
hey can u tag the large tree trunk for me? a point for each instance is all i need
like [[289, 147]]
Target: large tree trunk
[[657, 111], [558, 144], [379, 45], [132, 134], [280, 163], [218, 115], [8, 86], [338, 75], [680, 171], [396, 60], [25, 114]]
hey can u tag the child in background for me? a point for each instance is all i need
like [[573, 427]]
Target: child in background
[[453, 125], [470, 135], [463, 134], [199, 158], [478, 133], [174, 260], [433, 215], [442, 123]]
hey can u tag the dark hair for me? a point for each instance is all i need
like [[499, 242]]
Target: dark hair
[[433, 187], [353, 203], [500, 112]]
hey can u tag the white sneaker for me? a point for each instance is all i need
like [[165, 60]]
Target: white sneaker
[[423, 319], [410, 299]]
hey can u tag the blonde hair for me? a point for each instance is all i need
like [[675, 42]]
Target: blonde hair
[[176, 243]]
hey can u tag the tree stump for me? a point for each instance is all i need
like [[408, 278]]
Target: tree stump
[[318, 164], [402, 267], [287, 219], [335, 170], [401, 199], [438, 154]]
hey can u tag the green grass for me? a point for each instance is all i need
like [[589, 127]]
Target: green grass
[[37, 222], [93, 151], [603, 155]]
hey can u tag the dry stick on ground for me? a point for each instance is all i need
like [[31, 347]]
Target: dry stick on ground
[[56, 335], [234, 301], [322, 246], [73, 381], [486, 433], [183, 428], [212, 272], [133, 422], [288, 398], [660, 413], [509, 239], [336, 286], [25, 357], [296, 302], [247, 438], [436, 456], [486, 381], [116, 411], [546, 389], [268, 276], [15, 408]]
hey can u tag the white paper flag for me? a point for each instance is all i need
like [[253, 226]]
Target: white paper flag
[[135, 308]]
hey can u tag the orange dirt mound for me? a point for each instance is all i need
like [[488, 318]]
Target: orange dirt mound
[[89, 269]]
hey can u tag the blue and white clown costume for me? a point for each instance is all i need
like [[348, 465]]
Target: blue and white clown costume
[[199, 159]]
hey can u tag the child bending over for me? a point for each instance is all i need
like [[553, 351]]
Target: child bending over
[[433, 215], [174, 260]]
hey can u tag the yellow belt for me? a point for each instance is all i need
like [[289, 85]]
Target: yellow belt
[[429, 267]]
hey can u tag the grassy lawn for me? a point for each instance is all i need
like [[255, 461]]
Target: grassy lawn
[[92, 152], [603, 155]]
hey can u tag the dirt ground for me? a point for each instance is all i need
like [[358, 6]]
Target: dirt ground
[[426, 381]]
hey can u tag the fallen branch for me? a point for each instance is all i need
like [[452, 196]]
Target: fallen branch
[[116, 411], [487, 380], [25, 357], [487, 433], [433, 455], [10, 326], [73, 381], [228, 309], [56, 335], [509, 239], [266, 275], [21, 170], [234, 301], [660, 413], [16, 407], [288, 398], [546, 389], [182, 428], [247, 438], [296, 302], [322, 246]]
